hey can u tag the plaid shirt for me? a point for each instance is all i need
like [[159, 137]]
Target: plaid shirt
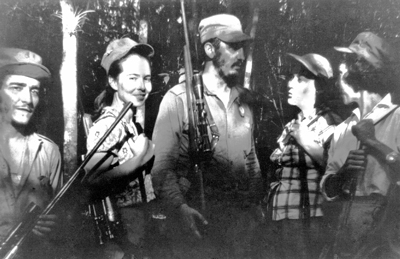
[[287, 190]]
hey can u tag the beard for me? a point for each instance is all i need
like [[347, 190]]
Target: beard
[[231, 79]]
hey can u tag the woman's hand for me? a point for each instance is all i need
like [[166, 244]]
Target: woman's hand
[[300, 132], [305, 138]]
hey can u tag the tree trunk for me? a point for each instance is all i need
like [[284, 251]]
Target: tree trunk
[[68, 75]]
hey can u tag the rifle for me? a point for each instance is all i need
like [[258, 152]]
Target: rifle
[[17, 236], [249, 59], [199, 142], [332, 251]]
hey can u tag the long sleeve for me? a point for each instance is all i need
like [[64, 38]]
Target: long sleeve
[[168, 138], [253, 167], [56, 179]]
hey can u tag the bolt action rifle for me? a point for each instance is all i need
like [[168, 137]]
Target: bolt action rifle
[[200, 145]]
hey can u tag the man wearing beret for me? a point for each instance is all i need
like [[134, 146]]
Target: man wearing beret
[[232, 177], [364, 157], [30, 164]]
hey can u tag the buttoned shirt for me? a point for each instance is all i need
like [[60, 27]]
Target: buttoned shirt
[[120, 144], [234, 164], [41, 159], [375, 179], [287, 190]]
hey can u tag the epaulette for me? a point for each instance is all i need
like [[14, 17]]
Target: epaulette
[[40, 136], [178, 89]]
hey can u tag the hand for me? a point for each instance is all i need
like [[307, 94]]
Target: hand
[[45, 225], [189, 217], [364, 131], [300, 132], [259, 213], [355, 163]]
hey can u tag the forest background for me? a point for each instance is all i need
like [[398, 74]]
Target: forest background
[[294, 26]]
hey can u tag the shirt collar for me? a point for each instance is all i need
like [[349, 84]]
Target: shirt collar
[[379, 110], [233, 95]]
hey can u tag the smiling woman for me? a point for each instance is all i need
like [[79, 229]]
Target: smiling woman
[[133, 84], [116, 173]]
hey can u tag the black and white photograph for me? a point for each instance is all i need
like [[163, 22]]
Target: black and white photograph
[[199, 129]]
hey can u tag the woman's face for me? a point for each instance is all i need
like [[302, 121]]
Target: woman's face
[[133, 84], [300, 90]]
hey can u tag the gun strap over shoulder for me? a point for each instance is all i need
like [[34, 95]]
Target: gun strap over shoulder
[[212, 125], [140, 177]]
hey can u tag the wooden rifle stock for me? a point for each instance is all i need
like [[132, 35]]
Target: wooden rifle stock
[[15, 239]]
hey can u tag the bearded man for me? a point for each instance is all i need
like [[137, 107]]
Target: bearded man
[[231, 175]]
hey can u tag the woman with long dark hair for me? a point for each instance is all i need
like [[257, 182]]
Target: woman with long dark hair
[[295, 198]]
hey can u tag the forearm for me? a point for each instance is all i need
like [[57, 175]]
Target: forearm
[[113, 176], [315, 151], [101, 172], [171, 192], [169, 139], [256, 181], [166, 183], [110, 182]]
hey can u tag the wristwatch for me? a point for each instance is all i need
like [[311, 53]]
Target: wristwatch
[[392, 157]]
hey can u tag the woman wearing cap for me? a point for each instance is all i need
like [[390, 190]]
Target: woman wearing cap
[[295, 197], [126, 149]]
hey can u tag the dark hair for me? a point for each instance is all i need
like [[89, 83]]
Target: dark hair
[[105, 98], [2, 77], [327, 93], [39, 116], [216, 42], [362, 75]]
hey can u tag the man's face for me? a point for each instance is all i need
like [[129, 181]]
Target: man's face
[[348, 93], [229, 59], [134, 82], [19, 97]]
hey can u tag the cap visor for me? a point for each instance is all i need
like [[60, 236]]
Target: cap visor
[[144, 49], [234, 37], [27, 69], [304, 62], [343, 49]]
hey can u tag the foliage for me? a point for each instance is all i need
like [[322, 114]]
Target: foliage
[[303, 27], [296, 26]]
